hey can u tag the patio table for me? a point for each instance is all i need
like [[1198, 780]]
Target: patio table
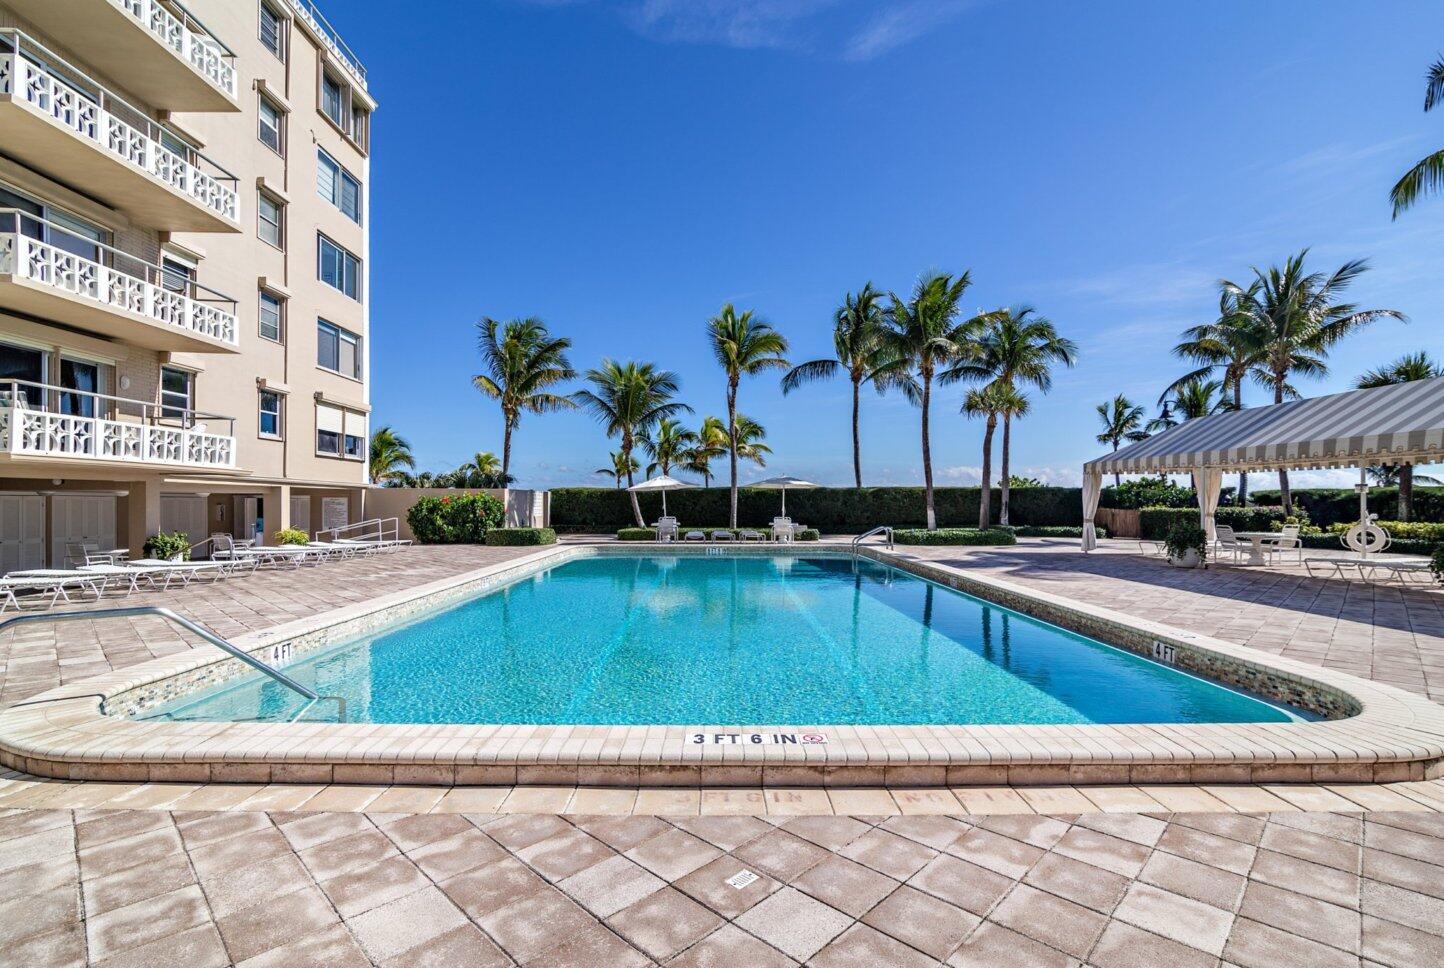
[[1256, 541]]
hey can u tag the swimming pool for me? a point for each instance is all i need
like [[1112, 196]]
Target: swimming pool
[[733, 640]]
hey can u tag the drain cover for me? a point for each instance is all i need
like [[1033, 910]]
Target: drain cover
[[742, 879]]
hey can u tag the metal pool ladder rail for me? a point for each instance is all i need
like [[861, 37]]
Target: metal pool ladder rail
[[880, 529], [235, 652]]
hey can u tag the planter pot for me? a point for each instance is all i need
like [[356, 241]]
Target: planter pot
[[1189, 559]]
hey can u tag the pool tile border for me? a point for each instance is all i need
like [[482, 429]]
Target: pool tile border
[[1377, 733]]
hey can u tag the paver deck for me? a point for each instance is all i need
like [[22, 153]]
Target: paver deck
[[1103, 876]]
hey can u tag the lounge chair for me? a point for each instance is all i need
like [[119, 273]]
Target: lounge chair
[[722, 534], [695, 536], [186, 571], [54, 583], [747, 535]]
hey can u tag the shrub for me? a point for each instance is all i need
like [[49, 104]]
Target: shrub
[[292, 536], [953, 536], [1185, 536], [637, 534], [1436, 562], [1056, 531], [844, 510], [521, 536], [809, 534], [1146, 492], [1406, 530], [167, 545], [455, 518], [1326, 506], [1154, 523]]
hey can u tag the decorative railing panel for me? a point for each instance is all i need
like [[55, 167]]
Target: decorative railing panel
[[43, 434], [68, 106], [200, 53], [26, 258]]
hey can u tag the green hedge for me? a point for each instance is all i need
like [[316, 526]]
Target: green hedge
[[1409, 530], [842, 510], [1326, 506], [1399, 546], [1154, 523], [521, 536], [1057, 531], [455, 518], [650, 534], [954, 536]]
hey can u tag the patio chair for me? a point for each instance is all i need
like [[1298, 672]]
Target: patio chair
[[749, 535], [782, 529], [695, 536], [80, 552], [722, 534], [1287, 540], [666, 529], [1226, 541]]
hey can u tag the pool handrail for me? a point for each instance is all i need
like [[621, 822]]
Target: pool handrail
[[131, 611], [880, 529]]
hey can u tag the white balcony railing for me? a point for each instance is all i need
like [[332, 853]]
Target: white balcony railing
[[39, 434], [84, 115], [184, 35], [312, 16], [45, 263]]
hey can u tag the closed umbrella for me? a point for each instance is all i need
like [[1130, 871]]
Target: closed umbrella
[[663, 484], [782, 484]]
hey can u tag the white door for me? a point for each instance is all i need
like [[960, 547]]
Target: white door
[[301, 513], [22, 532], [185, 513], [247, 525], [81, 519]]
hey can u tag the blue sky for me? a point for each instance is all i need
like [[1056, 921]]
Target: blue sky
[[621, 168]]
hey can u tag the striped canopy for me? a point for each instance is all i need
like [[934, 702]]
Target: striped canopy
[[1402, 424]]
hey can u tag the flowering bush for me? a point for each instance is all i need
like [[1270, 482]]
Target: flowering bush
[[168, 546], [455, 518], [292, 536]]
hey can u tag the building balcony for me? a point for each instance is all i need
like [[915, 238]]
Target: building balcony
[[58, 122], [308, 14], [64, 425], [153, 48], [52, 273]]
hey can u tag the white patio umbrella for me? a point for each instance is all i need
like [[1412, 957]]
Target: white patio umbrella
[[663, 484], [782, 484]]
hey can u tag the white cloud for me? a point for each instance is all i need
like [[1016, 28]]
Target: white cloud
[[899, 25], [962, 474]]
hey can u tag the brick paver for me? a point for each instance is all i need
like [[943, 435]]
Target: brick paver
[[270, 902]]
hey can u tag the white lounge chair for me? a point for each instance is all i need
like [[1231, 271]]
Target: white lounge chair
[[749, 535], [695, 536], [186, 571], [722, 534], [55, 583]]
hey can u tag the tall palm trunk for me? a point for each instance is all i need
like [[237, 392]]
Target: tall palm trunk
[[932, 518], [1003, 471], [506, 449], [1117, 478], [1286, 497], [1406, 492], [985, 499], [627, 459], [856, 433], [1242, 475], [732, 451]]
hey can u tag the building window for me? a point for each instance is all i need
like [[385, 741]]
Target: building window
[[270, 414], [273, 126], [344, 110], [271, 227], [177, 393], [177, 276], [272, 308], [273, 31], [338, 350], [336, 185], [338, 268], [329, 422]]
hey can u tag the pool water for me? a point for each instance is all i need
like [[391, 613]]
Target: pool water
[[733, 640]]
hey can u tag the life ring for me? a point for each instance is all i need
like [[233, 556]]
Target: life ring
[[1366, 538]]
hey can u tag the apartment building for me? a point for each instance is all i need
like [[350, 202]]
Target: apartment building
[[183, 273]]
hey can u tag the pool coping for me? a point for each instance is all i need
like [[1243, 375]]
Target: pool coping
[[67, 732]]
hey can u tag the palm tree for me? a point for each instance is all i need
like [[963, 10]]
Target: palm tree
[[628, 399], [857, 339], [923, 338], [1296, 318], [523, 363], [1406, 369], [1428, 175], [750, 437], [991, 401], [483, 470], [712, 442], [621, 469], [1122, 420], [1227, 346], [1016, 347], [667, 444], [743, 346], [390, 456]]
